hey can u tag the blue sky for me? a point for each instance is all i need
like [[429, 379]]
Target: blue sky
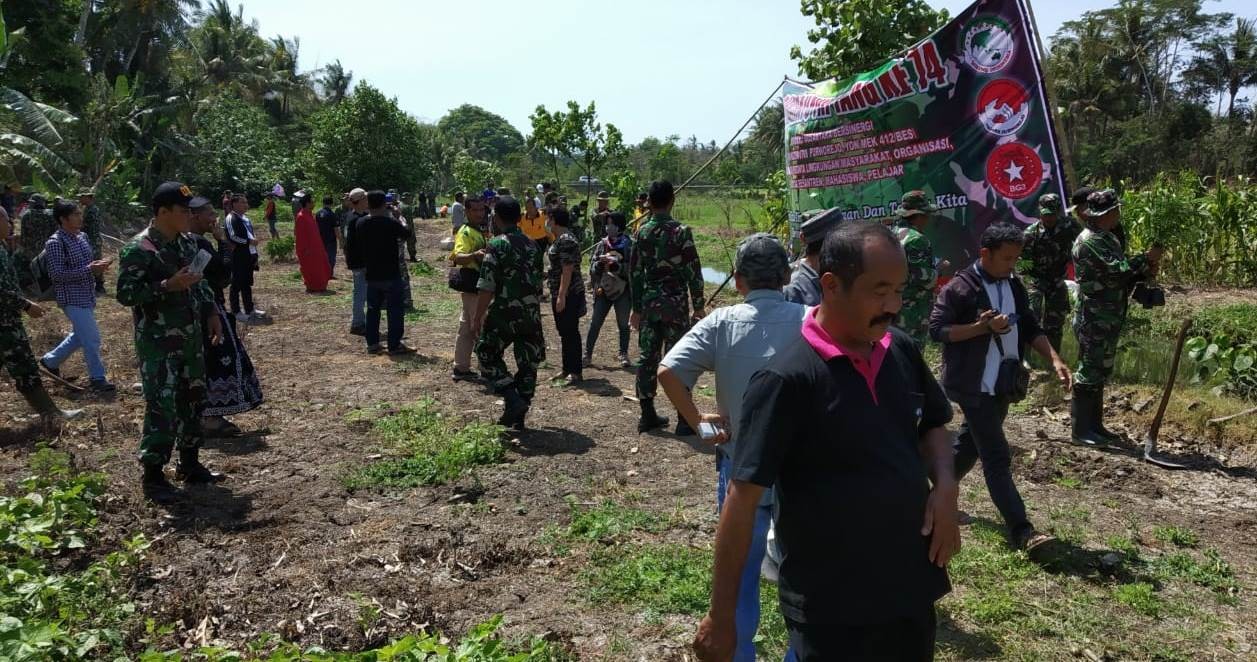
[[701, 71]]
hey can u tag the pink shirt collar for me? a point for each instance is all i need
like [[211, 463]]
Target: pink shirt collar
[[828, 349]]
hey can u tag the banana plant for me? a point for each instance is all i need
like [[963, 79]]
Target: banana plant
[[29, 133]]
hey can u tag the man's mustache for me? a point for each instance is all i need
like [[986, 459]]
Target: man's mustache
[[888, 318]]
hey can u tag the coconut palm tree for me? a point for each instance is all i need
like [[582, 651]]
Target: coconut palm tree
[[335, 82]]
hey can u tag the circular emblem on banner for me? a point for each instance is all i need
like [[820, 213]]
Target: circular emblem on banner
[[1014, 170], [1003, 106], [987, 44]]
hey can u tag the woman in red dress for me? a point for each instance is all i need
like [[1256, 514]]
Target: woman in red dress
[[310, 253]]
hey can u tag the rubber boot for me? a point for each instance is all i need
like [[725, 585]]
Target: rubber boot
[[514, 408], [155, 486], [650, 420], [1097, 412], [1082, 414], [190, 469], [518, 426], [48, 410]]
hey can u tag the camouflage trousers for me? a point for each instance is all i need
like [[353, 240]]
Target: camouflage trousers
[[653, 336], [16, 356], [914, 317], [529, 345], [1050, 303], [1097, 352], [408, 301], [173, 375]]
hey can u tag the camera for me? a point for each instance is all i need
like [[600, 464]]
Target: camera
[[1148, 296]]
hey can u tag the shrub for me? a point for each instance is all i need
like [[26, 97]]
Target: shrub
[[281, 250]]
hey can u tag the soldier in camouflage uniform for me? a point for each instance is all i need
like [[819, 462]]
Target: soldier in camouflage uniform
[[168, 303], [15, 345], [509, 313], [36, 226], [1105, 279], [918, 293], [1047, 252], [92, 229], [662, 267]]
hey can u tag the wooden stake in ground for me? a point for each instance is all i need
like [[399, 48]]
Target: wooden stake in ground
[[1150, 440]]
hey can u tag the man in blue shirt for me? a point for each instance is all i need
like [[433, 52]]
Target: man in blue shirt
[[735, 342]]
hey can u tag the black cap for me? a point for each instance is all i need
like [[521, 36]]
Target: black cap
[[1080, 196], [172, 193], [819, 226], [198, 202]]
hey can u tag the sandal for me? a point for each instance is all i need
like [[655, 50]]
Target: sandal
[[1034, 540]]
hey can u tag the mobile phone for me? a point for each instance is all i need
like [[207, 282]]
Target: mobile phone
[[707, 430], [1012, 318], [199, 262]]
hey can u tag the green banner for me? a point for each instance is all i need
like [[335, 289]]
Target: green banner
[[962, 115]]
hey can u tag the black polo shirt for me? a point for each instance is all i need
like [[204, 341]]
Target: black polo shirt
[[851, 484]]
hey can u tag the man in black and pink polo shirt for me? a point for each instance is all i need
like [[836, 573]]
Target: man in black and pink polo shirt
[[848, 424]]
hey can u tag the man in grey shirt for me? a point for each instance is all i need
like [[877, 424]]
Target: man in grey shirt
[[805, 282], [458, 213], [734, 342]]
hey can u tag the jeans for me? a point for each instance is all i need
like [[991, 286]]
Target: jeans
[[84, 333], [746, 614], [387, 294], [358, 314], [568, 325], [270, 223], [982, 437], [603, 305], [466, 341]]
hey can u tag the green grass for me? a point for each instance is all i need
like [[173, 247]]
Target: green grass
[[673, 579], [1140, 596], [609, 522], [432, 449], [662, 579], [442, 308], [1177, 536], [1007, 606]]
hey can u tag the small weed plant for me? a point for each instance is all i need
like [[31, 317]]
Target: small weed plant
[[432, 449], [51, 608]]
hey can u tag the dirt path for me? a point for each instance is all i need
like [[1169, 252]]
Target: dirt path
[[283, 547]]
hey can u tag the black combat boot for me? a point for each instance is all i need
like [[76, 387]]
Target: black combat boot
[[1082, 414], [683, 427], [650, 420], [514, 408], [156, 487], [1097, 412], [190, 469]]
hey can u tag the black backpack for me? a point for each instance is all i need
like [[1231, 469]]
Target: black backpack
[[43, 277]]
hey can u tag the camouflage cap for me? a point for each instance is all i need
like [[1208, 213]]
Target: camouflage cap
[[38, 200], [913, 203], [1102, 202], [87, 192], [1049, 204], [762, 259], [603, 195]]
